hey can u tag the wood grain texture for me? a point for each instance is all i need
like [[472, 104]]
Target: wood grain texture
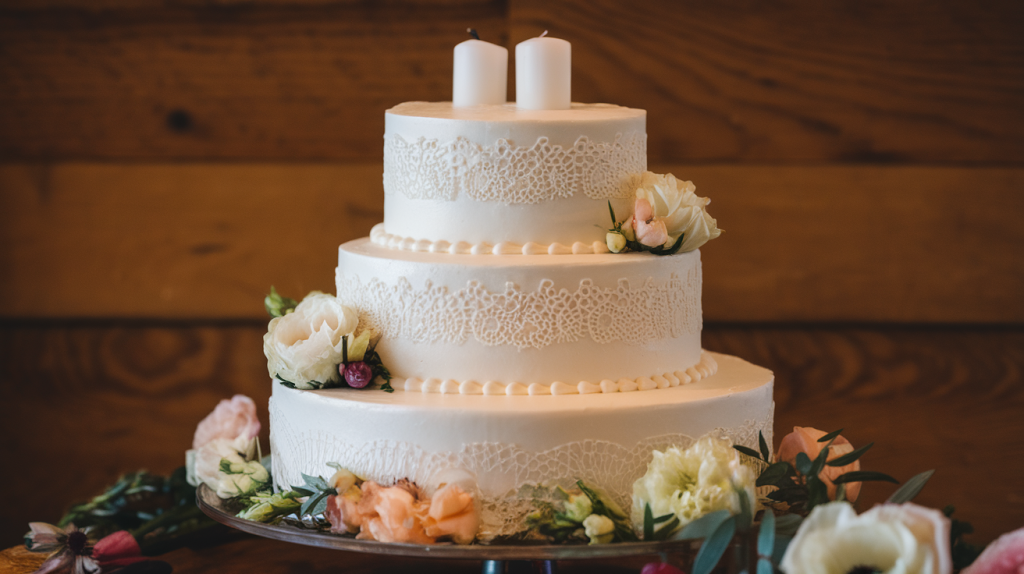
[[87, 402], [302, 80], [861, 243], [744, 80], [915, 81]]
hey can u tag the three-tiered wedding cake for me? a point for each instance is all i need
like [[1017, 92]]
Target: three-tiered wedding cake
[[523, 350]]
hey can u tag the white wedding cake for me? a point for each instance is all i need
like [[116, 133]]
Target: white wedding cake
[[523, 351]]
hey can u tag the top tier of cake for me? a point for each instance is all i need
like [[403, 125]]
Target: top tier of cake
[[500, 179]]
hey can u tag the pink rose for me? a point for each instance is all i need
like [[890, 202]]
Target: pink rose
[[650, 231], [357, 374], [805, 440], [231, 419], [1004, 556], [452, 513]]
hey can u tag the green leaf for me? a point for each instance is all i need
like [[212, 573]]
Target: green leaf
[[766, 452], [911, 488], [664, 532], [648, 520], [840, 493], [764, 566], [864, 476], [315, 482], [303, 491], [803, 463], [278, 306], [311, 503], [714, 546], [285, 382], [611, 211], [819, 461], [747, 451], [788, 524], [703, 527], [766, 536], [830, 436], [817, 492], [850, 456], [746, 516], [774, 473], [781, 545]]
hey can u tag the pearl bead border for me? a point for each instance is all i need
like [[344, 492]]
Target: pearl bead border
[[381, 237], [706, 367]]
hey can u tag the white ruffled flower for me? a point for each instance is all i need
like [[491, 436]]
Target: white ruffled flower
[[229, 467], [676, 210], [890, 538], [305, 346], [599, 529], [704, 478]]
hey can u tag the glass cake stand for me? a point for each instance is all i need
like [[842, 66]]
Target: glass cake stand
[[495, 558]]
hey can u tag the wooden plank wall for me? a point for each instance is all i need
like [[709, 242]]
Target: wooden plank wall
[[163, 162]]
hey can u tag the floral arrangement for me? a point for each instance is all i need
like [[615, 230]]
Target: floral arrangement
[[668, 217], [792, 512], [312, 344]]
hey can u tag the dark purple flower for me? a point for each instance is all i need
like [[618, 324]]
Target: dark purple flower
[[357, 374]]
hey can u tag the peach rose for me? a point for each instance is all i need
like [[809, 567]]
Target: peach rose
[[231, 419], [389, 515], [650, 230], [453, 513], [805, 440], [343, 511]]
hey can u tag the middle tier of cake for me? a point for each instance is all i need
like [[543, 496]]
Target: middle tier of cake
[[528, 324]]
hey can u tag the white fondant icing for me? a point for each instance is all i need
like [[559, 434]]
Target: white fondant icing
[[512, 441]]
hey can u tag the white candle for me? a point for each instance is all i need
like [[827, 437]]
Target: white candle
[[480, 75], [544, 74]]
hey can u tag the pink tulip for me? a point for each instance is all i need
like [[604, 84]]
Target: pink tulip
[[117, 550]]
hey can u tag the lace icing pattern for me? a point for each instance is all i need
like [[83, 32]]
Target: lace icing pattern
[[537, 319], [610, 465], [503, 172]]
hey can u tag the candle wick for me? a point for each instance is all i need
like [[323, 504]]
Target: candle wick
[[473, 33], [544, 34]]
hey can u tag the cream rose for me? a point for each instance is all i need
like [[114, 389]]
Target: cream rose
[[890, 538], [305, 346], [704, 478], [666, 208]]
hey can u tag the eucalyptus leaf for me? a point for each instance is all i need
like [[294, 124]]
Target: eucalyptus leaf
[[803, 463], [764, 566], [864, 476], [781, 545], [315, 482], [745, 519], [303, 491], [911, 488], [766, 536], [830, 436], [714, 547], [766, 452], [703, 527], [850, 456], [648, 523], [747, 451], [773, 474]]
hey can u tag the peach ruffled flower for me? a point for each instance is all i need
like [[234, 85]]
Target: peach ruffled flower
[[393, 515], [231, 419], [805, 440], [452, 513]]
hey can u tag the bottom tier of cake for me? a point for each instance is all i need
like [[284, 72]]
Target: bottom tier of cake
[[509, 442]]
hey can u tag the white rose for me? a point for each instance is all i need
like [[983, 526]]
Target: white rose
[[690, 483], [600, 529], [890, 538], [675, 204], [227, 467], [305, 345]]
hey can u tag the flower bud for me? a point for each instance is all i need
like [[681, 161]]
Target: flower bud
[[600, 529], [357, 374], [616, 241]]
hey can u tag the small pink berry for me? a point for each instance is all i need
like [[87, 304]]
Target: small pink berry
[[660, 568], [357, 374]]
